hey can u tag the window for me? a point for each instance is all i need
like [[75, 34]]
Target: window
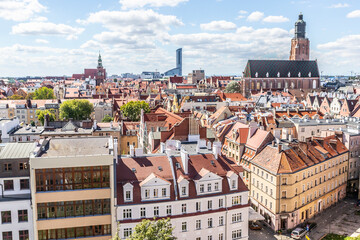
[[209, 187], [23, 234], [198, 206], [183, 191], [142, 212], [236, 217], [128, 195], [24, 184], [183, 208], [233, 184], [236, 234], [198, 224], [210, 237], [210, 222], [127, 232], [8, 185], [221, 236], [22, 215], [22, 166], [184, 226], [156, 191], [7, 167], [209, 205], [201, 188], [147, 193], [236, 200], [221, 203], [164, 192], [221, 220], [7, 236], [216, 186], [126, 213], [156, 211], [168, 210]]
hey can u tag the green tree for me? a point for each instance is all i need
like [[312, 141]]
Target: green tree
[[132, 109], [107, 118], [76, 109], [152, 230], [233, 87], [41, 115], [29, 96], [44, 93], [32, 123], [16, 97]]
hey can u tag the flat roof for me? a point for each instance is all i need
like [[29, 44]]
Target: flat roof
[[17, 150], [57, 147]]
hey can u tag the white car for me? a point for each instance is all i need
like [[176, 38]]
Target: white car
[[298, 233]]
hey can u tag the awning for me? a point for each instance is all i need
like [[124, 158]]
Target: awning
[[254, 216]]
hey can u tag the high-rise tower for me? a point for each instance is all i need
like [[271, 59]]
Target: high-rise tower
[[300, 45], [179, 61]]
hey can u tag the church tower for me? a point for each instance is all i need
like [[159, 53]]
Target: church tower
[[100, 76], [300, 45]]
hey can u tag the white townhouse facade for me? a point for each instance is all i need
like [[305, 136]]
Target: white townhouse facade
[[15, 201], [202, 194]]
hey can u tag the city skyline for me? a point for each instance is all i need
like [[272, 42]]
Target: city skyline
[[49, 38]]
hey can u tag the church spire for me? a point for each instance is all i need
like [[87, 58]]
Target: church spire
[[99, 61], [300, 26]]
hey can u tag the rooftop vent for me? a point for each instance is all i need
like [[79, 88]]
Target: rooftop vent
[[177, 165], [133, 170], [212, 162], [160, 168]]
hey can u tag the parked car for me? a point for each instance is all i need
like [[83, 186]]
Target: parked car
[[254, 226], [298, 233]]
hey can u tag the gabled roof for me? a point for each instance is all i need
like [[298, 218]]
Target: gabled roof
[[283, 67]]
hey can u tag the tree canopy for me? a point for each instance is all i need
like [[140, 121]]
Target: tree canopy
[[107, 118], [233, 87], [151, 230], [16, 97], [132, 109], [76, 109], [43, 93], [41, 115]]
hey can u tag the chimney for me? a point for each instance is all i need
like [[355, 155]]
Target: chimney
[[185, 160], [116, 150], [216, 149], [273, 143], [162, 147], [279, 147], [209, 145]]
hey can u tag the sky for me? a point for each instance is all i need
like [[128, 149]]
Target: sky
[[56, 38]]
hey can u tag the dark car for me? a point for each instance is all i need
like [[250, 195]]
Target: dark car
[[254, 226]]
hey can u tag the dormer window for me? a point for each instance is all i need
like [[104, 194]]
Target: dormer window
[[156, 191], [209, 187], [128, 192], [183, 191], [128, 196], [216, 186], [147, 193], [164, 192], [233, 184], [201, 188]]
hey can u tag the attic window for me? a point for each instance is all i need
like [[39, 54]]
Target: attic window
[[133, 170], [177, 165], [160, 168]]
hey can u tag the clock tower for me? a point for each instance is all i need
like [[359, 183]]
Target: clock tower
[[300, 45], [100, 76]]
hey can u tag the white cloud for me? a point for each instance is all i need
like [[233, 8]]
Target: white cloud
[[275, 19], [243, 12], [42, 41], [218, 26], [20, 10], [353, 14], [255, 16], [340, 5], [128, 4], [46, 28], [39, 19]]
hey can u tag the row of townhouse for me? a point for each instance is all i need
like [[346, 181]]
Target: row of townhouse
[[80, 188]]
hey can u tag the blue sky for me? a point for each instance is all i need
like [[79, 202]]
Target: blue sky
[[51, 37]]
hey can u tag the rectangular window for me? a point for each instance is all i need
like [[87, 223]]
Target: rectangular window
[[142, 212], [7, 236], [23, 235], [127, 213], [198, 224], [210, 222], [164, 192], [22, 166], [198, 206], [216, 186], [156, 211], [168, 210], [128, 195], [24, 184], [6, 217], [209, 205], [7, 167], [147, 193], [201, 188], [221, 236], [184, 226], [221, 203], [236, 217], [156, 191], [233, 184], [22, 215], [236, 200], [8, 185], [221, 220], [210, 237], [183, 191], [236, 234], [127, 232], [183, 208], [209, 187]]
